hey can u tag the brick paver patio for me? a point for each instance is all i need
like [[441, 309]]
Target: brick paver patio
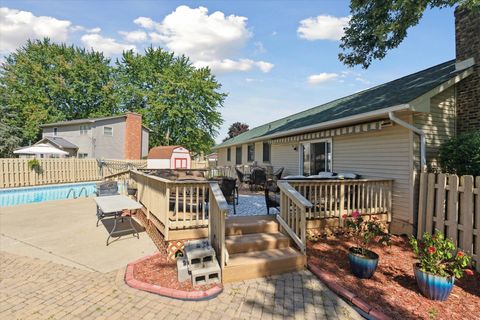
[[31, 288]]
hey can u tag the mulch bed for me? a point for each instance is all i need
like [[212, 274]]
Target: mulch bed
[[159, 271], [393, 288]]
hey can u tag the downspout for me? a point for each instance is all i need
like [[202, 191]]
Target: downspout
[[423, 161]]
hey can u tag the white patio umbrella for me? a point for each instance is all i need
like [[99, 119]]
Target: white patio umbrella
[[41, 148]]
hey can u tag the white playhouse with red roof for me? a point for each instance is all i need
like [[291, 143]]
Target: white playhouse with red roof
[[169, 157]]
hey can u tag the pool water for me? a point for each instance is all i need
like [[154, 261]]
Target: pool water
[[16, 196]]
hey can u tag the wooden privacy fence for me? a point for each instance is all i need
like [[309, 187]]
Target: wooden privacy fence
[[16, 172], [451, 204]]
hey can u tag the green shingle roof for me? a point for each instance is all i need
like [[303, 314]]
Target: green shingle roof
[[393, 93]]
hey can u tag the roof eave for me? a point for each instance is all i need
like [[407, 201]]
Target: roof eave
[[324, 125]]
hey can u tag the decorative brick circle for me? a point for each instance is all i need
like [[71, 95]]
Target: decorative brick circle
[[167, 292], [348, 295]]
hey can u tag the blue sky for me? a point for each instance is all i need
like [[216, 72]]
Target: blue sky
[[273, 58]]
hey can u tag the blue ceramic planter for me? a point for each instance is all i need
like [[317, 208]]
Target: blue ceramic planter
[[362, 266], [432, 286]]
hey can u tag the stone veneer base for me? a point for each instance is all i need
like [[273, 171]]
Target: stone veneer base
[[167, 292]]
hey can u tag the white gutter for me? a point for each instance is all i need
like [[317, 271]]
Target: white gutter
[[325, 125], [423, 160]]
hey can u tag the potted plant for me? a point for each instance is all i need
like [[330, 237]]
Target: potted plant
[[131, 188], [363, 262], [439, 263], [34, 164]]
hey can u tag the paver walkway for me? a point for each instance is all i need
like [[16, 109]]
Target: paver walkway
[[31, 288]]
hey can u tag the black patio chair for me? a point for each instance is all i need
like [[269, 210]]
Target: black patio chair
[[229, 187], [242, 177], [103, 189], [277, 175], [272, 196], [259, 178]]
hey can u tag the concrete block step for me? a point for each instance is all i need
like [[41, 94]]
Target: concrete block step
[[248, 225], [251, 265], [256, 242]]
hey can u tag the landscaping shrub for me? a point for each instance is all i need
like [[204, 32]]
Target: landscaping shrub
[[461, 154]]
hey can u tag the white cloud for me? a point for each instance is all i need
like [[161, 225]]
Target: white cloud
[[134, 36], [18, 26], [146, 23], [208, 39], [322, 78], [82, 28], [229, 65], [323, 27], [108, 46]]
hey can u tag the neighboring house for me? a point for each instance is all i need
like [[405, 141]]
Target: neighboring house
[[60, 143], [169, 157], [375, 133], [115, 137]]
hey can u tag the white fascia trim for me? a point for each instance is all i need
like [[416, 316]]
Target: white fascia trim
[[326, 125]]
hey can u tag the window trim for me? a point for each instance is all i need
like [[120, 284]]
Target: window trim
[[251, 145], [241, 156], [85, 155], [300, 152], [269, 152], [84, 128], [108, 135], [229, 154]]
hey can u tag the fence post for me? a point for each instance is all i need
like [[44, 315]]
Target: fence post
[[422, 204], [467, 215], [452, 210]]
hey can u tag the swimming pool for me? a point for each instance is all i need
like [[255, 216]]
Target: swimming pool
[[16, 196]]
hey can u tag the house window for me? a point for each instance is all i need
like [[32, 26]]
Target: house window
[[317, 157], [84, 129], [82, 155], [55, 131], [229, 154], [266, 151], [107, 131], [251, 152], [238, 155]]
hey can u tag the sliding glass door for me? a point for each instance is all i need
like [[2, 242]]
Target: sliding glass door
[[316, 157]]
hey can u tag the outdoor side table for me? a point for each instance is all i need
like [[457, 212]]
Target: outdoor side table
[[113, 206]]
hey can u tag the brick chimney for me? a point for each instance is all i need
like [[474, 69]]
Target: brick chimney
[[133, 136], [467, 45]]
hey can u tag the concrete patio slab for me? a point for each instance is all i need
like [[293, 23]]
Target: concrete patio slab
[[64, 232]]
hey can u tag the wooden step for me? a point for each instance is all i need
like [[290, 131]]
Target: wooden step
[[256, 242], [251, 265], [235, 226]]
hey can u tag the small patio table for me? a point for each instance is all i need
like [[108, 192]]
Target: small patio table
[[109, 206]]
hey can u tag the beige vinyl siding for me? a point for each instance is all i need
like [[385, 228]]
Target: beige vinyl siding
[[438, 124], [222, 157], [380, 154], [284, 155]]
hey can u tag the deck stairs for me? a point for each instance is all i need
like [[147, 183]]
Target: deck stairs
[[257, 248]]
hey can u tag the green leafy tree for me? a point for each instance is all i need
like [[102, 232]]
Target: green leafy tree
[[176, 100], [461, 154], [379, 26], [235, 129], [44, 82]]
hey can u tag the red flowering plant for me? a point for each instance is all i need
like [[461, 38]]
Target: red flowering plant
[[437, 255], [364, 232]]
